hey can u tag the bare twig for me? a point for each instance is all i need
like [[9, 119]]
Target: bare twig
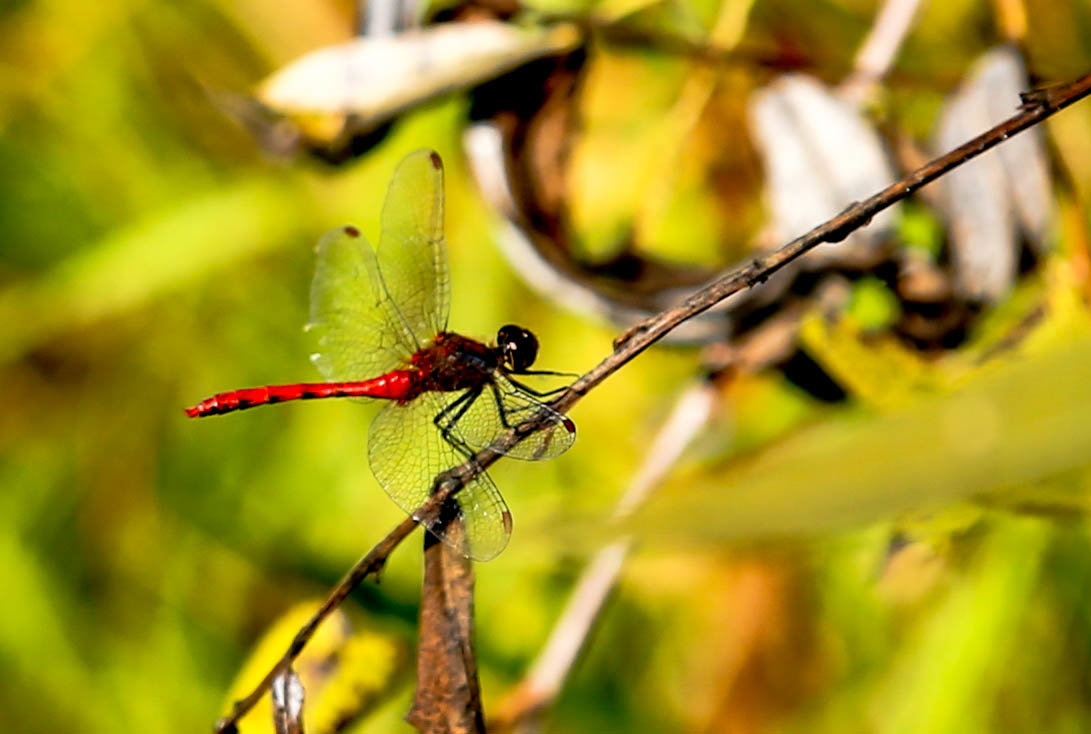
[[876, 54], [1037, 106]]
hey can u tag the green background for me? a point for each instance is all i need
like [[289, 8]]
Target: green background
[[150, 256]]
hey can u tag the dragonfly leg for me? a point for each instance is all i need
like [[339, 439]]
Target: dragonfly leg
[[552, 373], [546, 437], [446, 419], [500, 404], [531, 390]]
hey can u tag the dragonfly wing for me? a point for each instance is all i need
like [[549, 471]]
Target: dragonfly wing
[[497, 410], [353, 327], [412, 254], [406, 452]]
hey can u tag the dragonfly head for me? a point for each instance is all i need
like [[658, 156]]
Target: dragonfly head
[[518, 347]]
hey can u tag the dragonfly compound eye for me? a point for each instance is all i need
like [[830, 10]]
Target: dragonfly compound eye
[[519, 346]]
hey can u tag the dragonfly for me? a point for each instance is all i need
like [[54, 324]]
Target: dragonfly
[[378, 320]]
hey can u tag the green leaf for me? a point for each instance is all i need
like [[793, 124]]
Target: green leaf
[[1016, 425]]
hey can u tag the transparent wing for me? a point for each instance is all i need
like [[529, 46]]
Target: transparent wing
[[353, 328], [504, 405], [406, 452], [412, 255]]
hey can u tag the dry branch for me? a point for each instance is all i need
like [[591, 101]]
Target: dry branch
[[448, 695]]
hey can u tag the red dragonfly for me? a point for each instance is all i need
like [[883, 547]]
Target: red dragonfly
[[379, 320]]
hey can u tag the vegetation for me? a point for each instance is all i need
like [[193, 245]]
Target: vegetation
[[915, 558]]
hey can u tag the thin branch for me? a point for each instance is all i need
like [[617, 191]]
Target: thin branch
[[876, 55], [1037, 106]]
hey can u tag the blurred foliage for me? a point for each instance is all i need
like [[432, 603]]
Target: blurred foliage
[[344, 673], [915, 560]]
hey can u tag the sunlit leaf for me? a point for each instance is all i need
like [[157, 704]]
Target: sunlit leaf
[[344, 672], [1015, 425], [144, 261], [376, 78]]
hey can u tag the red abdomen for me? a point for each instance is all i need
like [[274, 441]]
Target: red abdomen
[[394, 385]]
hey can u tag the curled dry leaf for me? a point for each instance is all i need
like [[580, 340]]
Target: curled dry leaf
[[820, 155], [287, 693], [991, 199], [557, 276], [377, 78]]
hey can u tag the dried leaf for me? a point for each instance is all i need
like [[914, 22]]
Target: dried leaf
[[287, 693], [986, 200], [819, 155], [1026, 164], [376, 78], [537, 255]]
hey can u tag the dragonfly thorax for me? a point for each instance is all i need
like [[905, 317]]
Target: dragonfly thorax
[[454, 362]]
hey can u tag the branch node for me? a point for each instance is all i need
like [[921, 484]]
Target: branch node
[[627, 335], [1041, 98], [759, 273], [850, 225], [226, 725]]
